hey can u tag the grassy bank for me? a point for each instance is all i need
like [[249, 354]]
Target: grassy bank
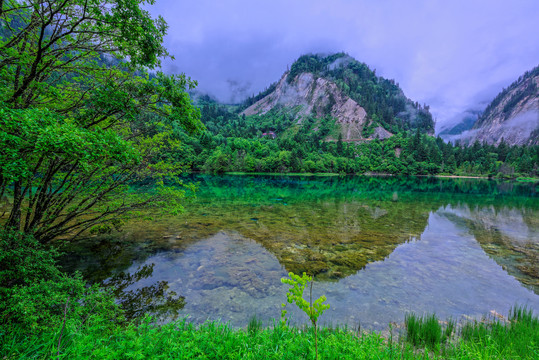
[[516, 337]]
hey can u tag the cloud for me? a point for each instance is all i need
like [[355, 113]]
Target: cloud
[[452, 55], [466, 137], [513, 130], [238, 91]]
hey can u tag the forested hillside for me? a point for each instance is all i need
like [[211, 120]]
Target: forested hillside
[[276, 143], [524, 87], [512, 116], [362, 104], [382, 99], [282, 138], [278, 135]]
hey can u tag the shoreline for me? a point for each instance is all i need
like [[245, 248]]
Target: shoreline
[[462, 177], [513, 337], [241, 173]]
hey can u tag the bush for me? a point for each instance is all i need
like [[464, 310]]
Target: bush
[[23, 261], [35, 295]]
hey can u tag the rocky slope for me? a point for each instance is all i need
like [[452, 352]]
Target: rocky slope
[[513, 115], [363, 105], [317, 97]]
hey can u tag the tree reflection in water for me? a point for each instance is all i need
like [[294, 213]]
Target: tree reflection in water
[[156, 300]]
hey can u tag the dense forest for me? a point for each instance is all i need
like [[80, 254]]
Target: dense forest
[[275, 142], [279, 141]]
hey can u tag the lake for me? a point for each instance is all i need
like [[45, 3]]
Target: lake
[[378, 247]]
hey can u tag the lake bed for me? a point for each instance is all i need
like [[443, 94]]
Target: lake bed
[[377, 247]]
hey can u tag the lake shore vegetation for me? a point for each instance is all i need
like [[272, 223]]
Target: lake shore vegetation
[[82, 116], [491, 338]]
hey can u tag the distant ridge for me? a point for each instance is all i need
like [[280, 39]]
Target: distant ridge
[[513, 115]]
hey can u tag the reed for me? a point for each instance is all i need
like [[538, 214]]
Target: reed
[[427, 330], [514, 337]]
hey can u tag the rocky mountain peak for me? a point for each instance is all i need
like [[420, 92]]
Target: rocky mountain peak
[[337, 86], [310, 95]]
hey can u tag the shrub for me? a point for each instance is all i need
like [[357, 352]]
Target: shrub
[[35, 295]]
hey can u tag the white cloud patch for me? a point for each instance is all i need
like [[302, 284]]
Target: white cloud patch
[[517, 128]]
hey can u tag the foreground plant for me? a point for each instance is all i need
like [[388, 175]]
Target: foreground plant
[[295, 295], [514, 337]]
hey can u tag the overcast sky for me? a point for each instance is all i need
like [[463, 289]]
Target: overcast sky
[[452, 55]]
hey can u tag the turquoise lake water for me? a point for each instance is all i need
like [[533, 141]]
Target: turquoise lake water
[[378, 247]]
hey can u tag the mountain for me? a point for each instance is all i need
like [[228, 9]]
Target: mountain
[[513, 115], [466, 123], [339, 87]]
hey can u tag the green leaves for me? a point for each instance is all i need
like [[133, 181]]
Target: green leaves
[[46, 46], [82, 118], [33, 291], [29, 135], [295, 295]]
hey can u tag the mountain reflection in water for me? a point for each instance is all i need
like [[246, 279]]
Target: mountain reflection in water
[[378, 249]]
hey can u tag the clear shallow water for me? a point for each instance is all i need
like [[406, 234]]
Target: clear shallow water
[[378, 248]]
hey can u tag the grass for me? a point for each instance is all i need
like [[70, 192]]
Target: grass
[[516, 337], [427, 330], [254, 326], [494, 337], [182, 340]]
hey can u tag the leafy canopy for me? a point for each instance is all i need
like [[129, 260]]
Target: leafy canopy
[[81, 117]]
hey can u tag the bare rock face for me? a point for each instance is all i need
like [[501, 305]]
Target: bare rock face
[[381, 133], [513, 115], [318, 97]]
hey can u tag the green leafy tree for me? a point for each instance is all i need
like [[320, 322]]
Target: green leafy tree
[[81, 117]]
